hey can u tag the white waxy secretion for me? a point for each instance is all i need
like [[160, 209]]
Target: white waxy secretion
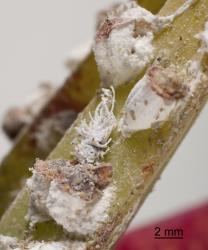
[[11, 243], [123, 45], [198, 69], [203, 36], [8, 243], [56, 246], [76, 215]]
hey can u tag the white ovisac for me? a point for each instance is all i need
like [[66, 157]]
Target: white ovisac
[[123, 45], [143, 108], [69, 210]]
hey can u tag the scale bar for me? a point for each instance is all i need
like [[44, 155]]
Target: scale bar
[[169, 238]]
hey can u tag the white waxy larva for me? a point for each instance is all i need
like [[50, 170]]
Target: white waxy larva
[[94, 137], [123, 44]]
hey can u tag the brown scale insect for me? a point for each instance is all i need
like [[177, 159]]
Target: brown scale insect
[[85, 180], [205, 62], [106, 28], [142, 27], [102, 174], [167, 83], [108, 25], [148, 170]]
